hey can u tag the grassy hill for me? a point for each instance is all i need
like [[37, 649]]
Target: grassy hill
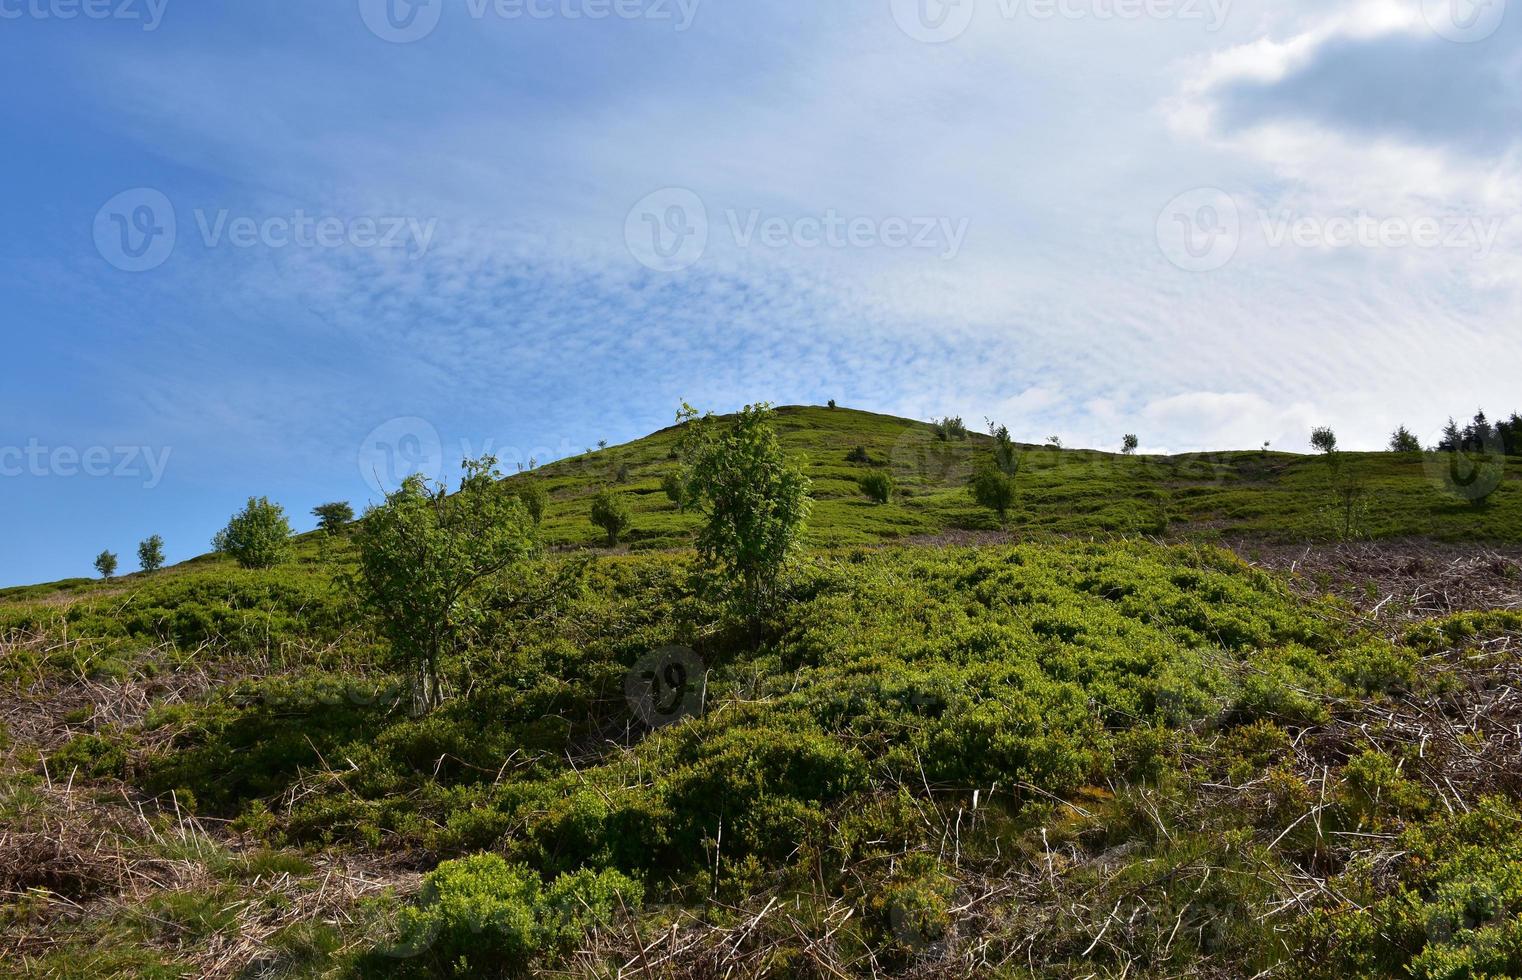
[[1108, 748], [1268, 495]]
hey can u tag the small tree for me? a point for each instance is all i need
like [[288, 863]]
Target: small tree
[[258, 536], [1129, 443], [333, 517], [1403, 441], [424, 557], [754, 501], [611, 513], [832, 403], [105, 564], [531, 493], [675, 490], [878, 486], [1324, 440], [994, 489], [1006, 455], [150, 554]]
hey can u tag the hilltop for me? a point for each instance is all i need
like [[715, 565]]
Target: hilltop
[[1095, 742], [1264, 495]]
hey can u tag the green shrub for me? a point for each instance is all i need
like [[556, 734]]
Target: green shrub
[[878, 486], [534, 497], [480, 916], [424, 559], [994, 489], [258, 536], [611, 513], [675, 491]]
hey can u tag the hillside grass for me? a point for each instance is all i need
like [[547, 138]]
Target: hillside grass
[[919, 723], [1111, 748], [1266, 495]]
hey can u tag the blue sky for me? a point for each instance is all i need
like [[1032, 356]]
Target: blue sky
[[416, 233]]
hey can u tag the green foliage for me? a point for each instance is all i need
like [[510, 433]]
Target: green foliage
[[1006, 453], [754, 501], [674, 489], [1324, 440], [480, 916], [878, 486], [258, 536], [92, 756], [950, 429], [333, 517], [1402, 440], [150, 553], [991, 487], [423, 558], [105, 564], [1130, 737], [1129, 444], [534, 497], [1457, 910], [611, 513]]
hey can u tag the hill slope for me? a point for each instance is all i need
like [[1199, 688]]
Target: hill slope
[[1062, 756], [1273, 496]]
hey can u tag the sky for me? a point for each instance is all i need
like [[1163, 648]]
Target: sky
[[297, 250]]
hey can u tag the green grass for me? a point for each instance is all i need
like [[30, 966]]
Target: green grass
[[1098, 751], [1275, 496]]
